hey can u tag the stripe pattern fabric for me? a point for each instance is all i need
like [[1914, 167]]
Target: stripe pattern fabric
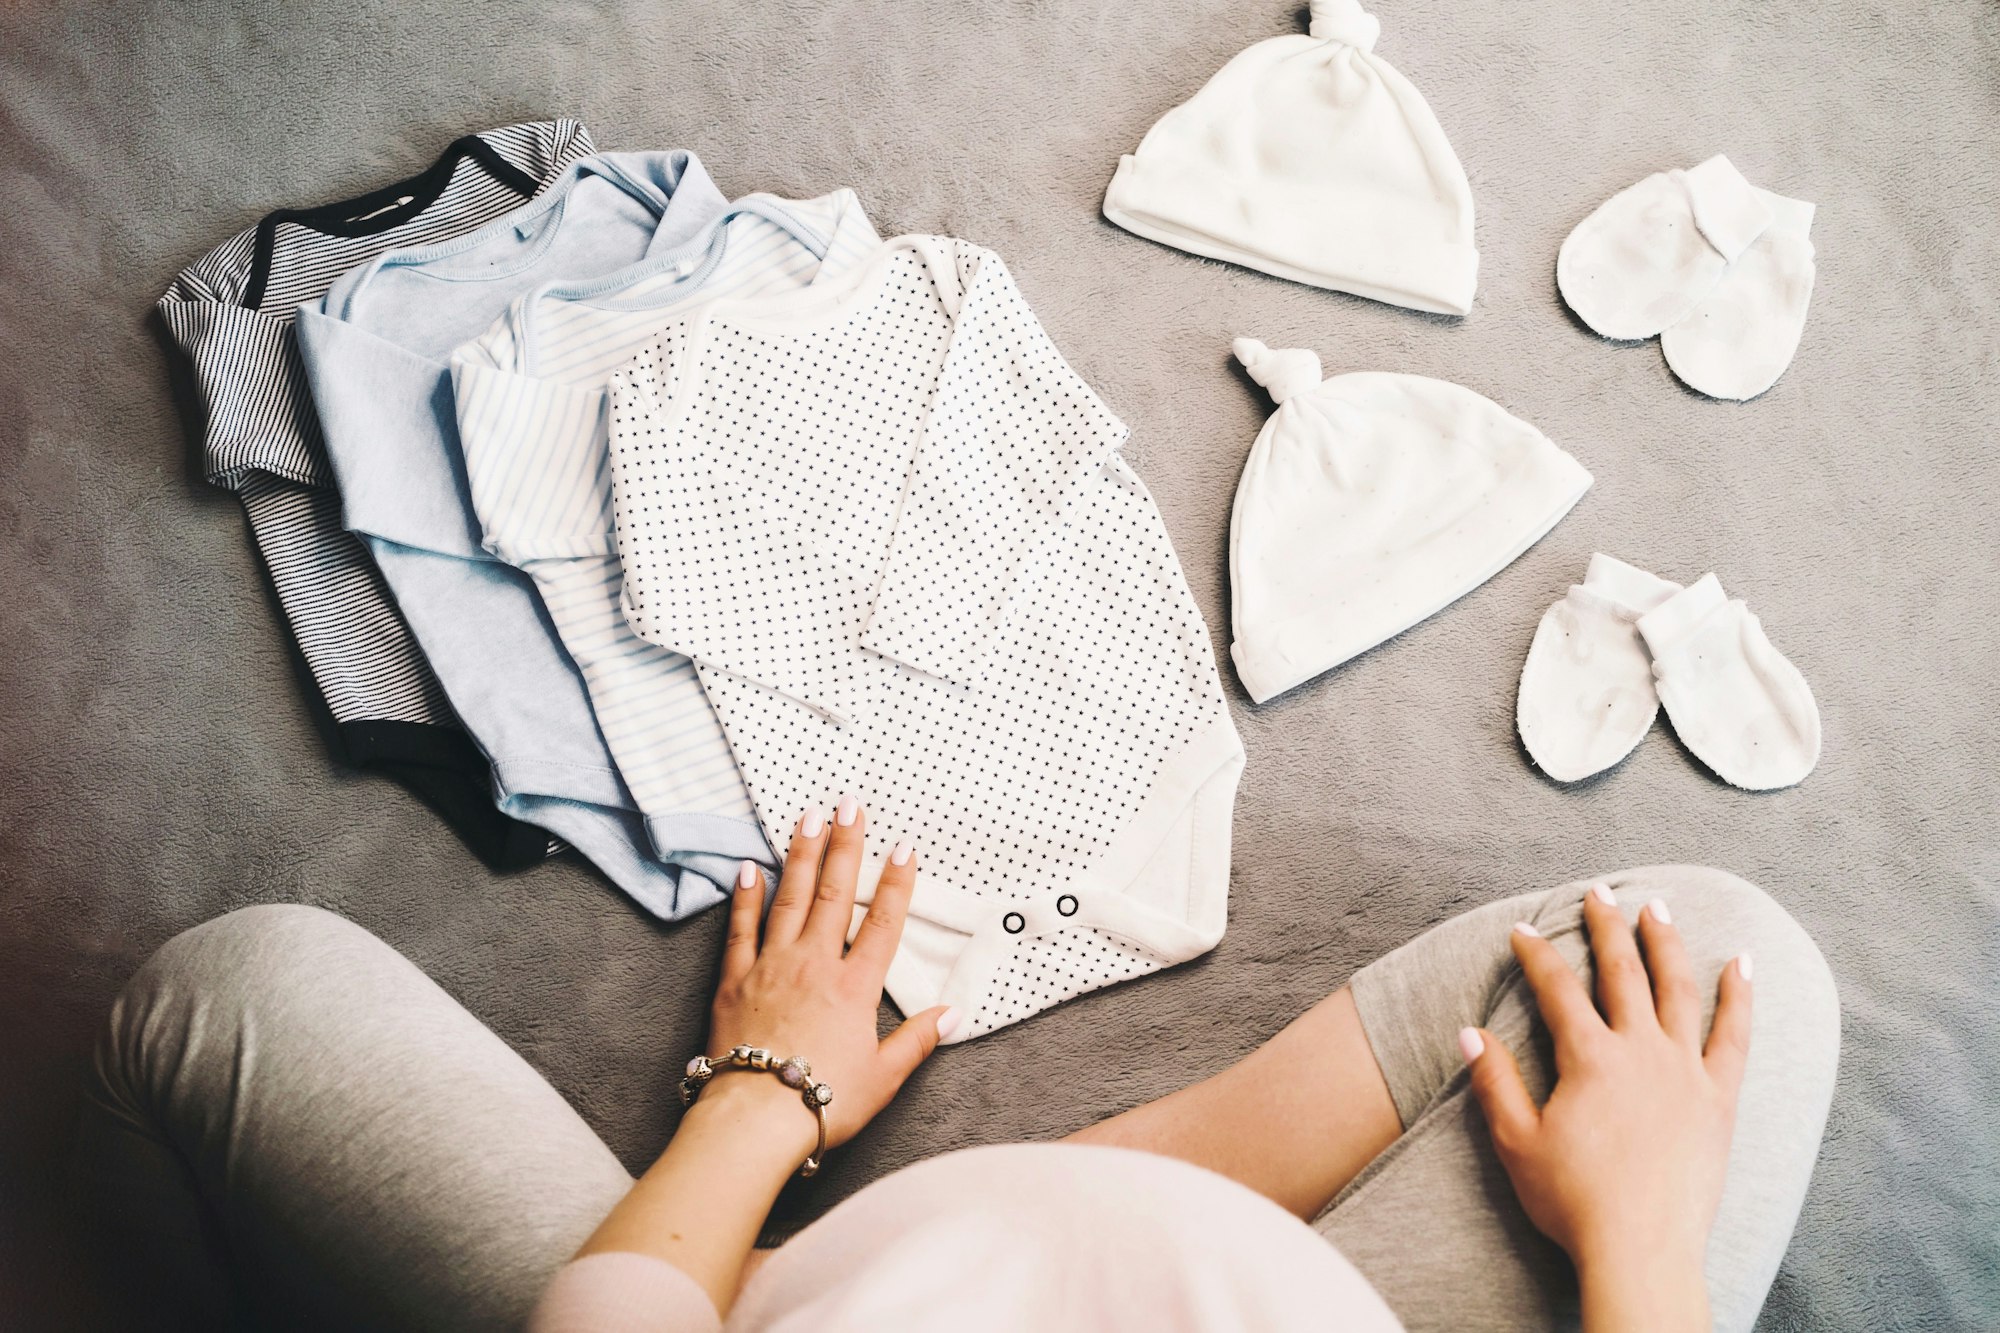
[[532, 423], [232, 315]]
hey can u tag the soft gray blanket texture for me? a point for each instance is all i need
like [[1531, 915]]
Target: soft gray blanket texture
[[163, 763]]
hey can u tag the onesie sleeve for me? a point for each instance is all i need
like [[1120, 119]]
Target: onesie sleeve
[[618, 1292], [535, 463], [1015, 439], [713, 573], [248, 390]]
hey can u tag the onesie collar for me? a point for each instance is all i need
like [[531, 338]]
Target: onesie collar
[[673, 185]]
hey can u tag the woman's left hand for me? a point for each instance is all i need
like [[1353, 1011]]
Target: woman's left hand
[[796, 988]]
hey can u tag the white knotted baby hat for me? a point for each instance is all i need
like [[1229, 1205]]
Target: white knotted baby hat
[[1311, 158], [1369, 502]]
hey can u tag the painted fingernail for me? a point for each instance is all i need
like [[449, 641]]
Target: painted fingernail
[[1603, 894], [811, 822], [900, 854], [1743, 966], [1470, 1044], [845, 811], [747, 876], [1527, 928], [1658, 907], [948, 1021]]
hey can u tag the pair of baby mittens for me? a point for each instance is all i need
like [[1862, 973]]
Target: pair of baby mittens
[[1719, 270], [1624, 642]]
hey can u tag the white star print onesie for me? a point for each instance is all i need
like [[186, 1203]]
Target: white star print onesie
[[891, 527]]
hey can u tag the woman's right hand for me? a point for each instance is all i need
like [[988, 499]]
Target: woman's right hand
[[1623, 1167]]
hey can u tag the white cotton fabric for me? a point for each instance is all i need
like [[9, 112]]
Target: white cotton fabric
[[1370, 502], [891, 527], [1311, 158], [1734, 700], [1587, 696], [1743, 335], [530, 397], [1648, 256]]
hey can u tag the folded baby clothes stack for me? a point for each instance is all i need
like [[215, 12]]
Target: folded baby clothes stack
[[375, 350]]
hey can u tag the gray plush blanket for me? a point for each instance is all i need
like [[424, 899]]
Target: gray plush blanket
[[163, 764]]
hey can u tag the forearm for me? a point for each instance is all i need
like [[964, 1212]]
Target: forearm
[[700, 1206], [1294, 1120], [1650, 1292]]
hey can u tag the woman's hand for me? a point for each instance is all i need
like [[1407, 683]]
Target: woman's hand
[[793, 988], [1624, 1166], [792, 991]]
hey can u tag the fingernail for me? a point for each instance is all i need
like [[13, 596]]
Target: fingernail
[[1470, 1044], [1527, 928], [899, 855], [1658, 907], [948, 1022], [811, 822], [1603, 894], [845, 811], [1743, 966], [747, 876]]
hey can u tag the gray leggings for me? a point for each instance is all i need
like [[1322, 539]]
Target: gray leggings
[[281, 1097]]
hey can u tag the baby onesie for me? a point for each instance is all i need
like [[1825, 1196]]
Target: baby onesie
[[531, 423], [231, 313], [891, 527], [374, 350]]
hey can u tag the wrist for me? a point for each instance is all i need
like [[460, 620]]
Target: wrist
[[1649, 1283], [767, 1119]]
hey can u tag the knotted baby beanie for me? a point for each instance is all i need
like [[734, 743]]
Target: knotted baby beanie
[[1369, 502], [1310, 158]]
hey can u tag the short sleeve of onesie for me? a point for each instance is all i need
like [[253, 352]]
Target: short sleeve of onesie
[[791, 471], [231, 315]]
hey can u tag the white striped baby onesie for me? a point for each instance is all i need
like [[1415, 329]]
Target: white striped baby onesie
[[892, 528], [531, 420]]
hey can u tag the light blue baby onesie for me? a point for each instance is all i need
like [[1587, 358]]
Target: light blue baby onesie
[[374, 351]]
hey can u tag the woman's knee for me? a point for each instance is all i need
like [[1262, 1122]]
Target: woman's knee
[[205, 980], [1721, 916], [1720, 908], [248, 949]]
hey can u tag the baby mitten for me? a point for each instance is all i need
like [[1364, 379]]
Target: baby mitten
[[1587, 693], [1742, 708], [1743, 334], [1649, 254]]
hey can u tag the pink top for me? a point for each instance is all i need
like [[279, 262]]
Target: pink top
[[1059, 1238]]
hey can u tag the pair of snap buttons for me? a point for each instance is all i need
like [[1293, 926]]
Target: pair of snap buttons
[[1014, 923]]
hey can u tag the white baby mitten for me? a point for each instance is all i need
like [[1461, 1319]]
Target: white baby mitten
[[1734, 700], [1742, 336], [1587, 694], [1649, 254]]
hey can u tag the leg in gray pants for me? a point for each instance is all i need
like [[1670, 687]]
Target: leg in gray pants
[[1433, 1222], [281, 1091]]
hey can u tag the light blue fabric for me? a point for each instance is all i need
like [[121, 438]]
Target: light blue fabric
[[375, 350]]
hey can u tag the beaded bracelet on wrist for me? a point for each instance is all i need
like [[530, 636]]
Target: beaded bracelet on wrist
[[793, 1073]]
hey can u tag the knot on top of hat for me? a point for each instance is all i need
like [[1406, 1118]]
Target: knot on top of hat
[[1345, 21], [1283, 373]]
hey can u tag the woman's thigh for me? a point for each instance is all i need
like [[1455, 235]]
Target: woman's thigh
[[280, 1094]]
